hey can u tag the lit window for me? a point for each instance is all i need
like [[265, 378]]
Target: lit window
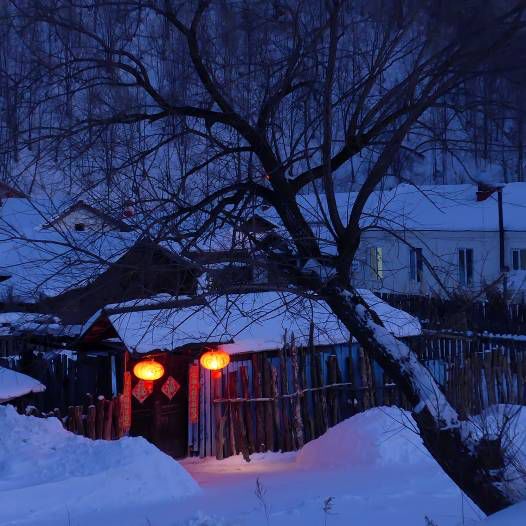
[[377, 262], [416, 264], [465, 266]]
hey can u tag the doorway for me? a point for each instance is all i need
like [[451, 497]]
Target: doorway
[[162, 420]]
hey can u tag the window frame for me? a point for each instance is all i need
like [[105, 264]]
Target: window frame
[[465, 262], [416, 264], [376, 262]]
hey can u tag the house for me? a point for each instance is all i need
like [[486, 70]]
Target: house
[[81, 216], [181, 412], [42, 259], [433, 239], [443, 239], [81, 260]]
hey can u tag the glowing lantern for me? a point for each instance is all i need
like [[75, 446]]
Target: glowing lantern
[[215, 360], [148, 370]]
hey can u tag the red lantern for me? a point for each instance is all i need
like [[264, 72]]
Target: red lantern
[[148, 370], [215, 360]]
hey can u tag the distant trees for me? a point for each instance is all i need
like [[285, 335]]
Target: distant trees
[[200, 112]]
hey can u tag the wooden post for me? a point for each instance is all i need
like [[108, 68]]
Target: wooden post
[[320, 396], [297, 420], [234, 430], [108, 417], [91, 422], [332, 373], [71, 422], [99, 424], [280, 432], [247, 409], [219, 419], [284, 431], [79, 424], [257, 379], [116, 427], [307, 420], [267, 393]]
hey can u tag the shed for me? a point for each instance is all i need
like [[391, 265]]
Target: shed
[[179, 412]]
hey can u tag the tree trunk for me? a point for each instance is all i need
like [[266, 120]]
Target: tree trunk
[[475, 465]]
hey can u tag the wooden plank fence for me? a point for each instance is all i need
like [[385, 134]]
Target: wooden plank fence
[[99, 418], [277, 401], [493, 315]]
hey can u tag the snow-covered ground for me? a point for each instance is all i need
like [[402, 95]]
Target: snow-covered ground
[[368, 470]]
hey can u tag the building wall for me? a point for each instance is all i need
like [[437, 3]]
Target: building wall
[[440, 249], [90, 220]]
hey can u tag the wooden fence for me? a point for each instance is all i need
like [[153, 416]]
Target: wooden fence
[[494, 315], [280, 400], [98, 419], [475, 371]]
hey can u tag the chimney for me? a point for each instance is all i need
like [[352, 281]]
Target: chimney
[[484, 191]]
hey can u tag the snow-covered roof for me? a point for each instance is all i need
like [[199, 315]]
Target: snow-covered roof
[[13, 323], [427, 207], [48, 261], [14, 384], [245, 322]]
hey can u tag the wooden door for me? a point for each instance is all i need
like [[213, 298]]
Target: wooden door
[[162, 421]]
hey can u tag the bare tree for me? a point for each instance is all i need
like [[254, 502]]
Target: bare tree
[[203, 111]]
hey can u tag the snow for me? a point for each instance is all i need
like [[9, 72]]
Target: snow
[[244, 322], [377, 437], [429, 207], [47, 472], [49, 261], [14, 384], [372, 466], [509, 422], [512, 516], [12, 323]]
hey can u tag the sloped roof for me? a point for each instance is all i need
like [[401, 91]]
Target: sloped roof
[[49, 261], [241, 322], [106, 218], [427, 207], [14, 384]]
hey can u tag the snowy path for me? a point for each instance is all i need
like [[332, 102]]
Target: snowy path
[[375, 471], [362, 496]]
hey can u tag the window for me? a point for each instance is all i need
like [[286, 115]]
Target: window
[[518, 259], [80, 227], [376, 262], [465, 266], [416, 264]]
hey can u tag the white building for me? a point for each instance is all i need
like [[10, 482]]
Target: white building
[[437, 238], [433, 239]]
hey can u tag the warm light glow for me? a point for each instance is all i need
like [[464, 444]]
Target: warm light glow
[[148, 370], [215, 360]]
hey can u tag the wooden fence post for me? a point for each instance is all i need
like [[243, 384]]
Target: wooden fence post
[[257, 378], [298, 420], [91, 422], [108, 414], [247, 409], [285, 442], [219, 419], [99, 424], [269, 406]]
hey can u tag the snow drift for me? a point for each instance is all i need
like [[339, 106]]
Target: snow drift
[[48, 468], [382, 436], [14, 384]]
